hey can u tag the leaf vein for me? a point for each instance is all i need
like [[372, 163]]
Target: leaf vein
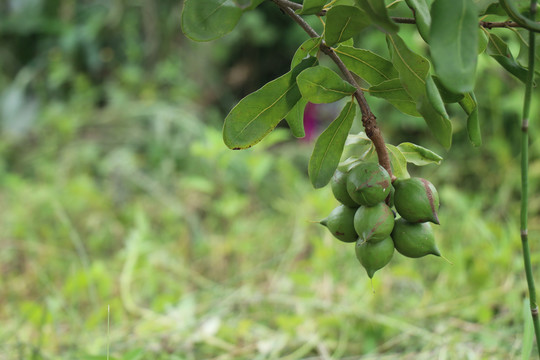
[[265, 109], [327, 89], [332, 139], [363, 62], [404, 62]]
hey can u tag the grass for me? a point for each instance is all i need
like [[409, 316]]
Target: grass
[[133, 230]]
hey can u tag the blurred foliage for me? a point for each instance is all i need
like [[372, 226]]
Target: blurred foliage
[[117, 193]]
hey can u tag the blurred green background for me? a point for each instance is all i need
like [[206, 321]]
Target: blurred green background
[[127, 227]]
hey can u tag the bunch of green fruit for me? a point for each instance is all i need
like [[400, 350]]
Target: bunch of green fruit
[[365, 216]]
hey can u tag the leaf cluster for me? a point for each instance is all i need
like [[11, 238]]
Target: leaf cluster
[[412, 82]]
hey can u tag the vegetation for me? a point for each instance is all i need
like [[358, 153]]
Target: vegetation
[[129, 231]]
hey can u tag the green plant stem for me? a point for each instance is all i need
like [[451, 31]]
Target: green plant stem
[[525, 182], [368, 118]]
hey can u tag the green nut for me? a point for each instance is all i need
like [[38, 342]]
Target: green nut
[[368, 184], [339, 189], [340, 223], [416, 200], [374, 255], [414, 240], [374, 223]]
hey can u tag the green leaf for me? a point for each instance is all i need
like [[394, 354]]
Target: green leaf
[[499, 51], [357, 148], [484, 5], [344, 2], [320, 85], [413, 71], [435, 97], [495, 8], [454, 43], [329, 147], [376, 10], [473, 128], [482, 41], [311, 7], [440, 126], [349, 42], [422, 17], [254, 4], [258, 113], [446, 95], [343, 22], [295, 119], [398, 162], [248, 4], [469, 104], [419, 155], [523, 56], [395, 94], [366, 64], [205, 20], [412, 68], [310, 47]]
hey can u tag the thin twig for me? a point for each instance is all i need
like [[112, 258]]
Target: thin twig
[[497, 24], [484, 24], [368, 118]]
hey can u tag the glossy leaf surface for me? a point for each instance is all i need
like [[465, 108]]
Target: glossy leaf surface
[[343, 22], [499, 51], [413, 71], [422, 17], [446, 95], [470, 106], [310, 47], [376, 10], [440, 126], [434, 96], [418, 155], [454, 43], [258, 113], [483, 6], [329, 147], [295, 119], [248, 4], [320, 85], [412, 68], [366, 64], [398, 162], [395, 94], [310, 7]]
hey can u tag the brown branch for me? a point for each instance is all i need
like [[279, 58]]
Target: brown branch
[[503, 24], [484, 24], [404, 20], [368, 118]]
